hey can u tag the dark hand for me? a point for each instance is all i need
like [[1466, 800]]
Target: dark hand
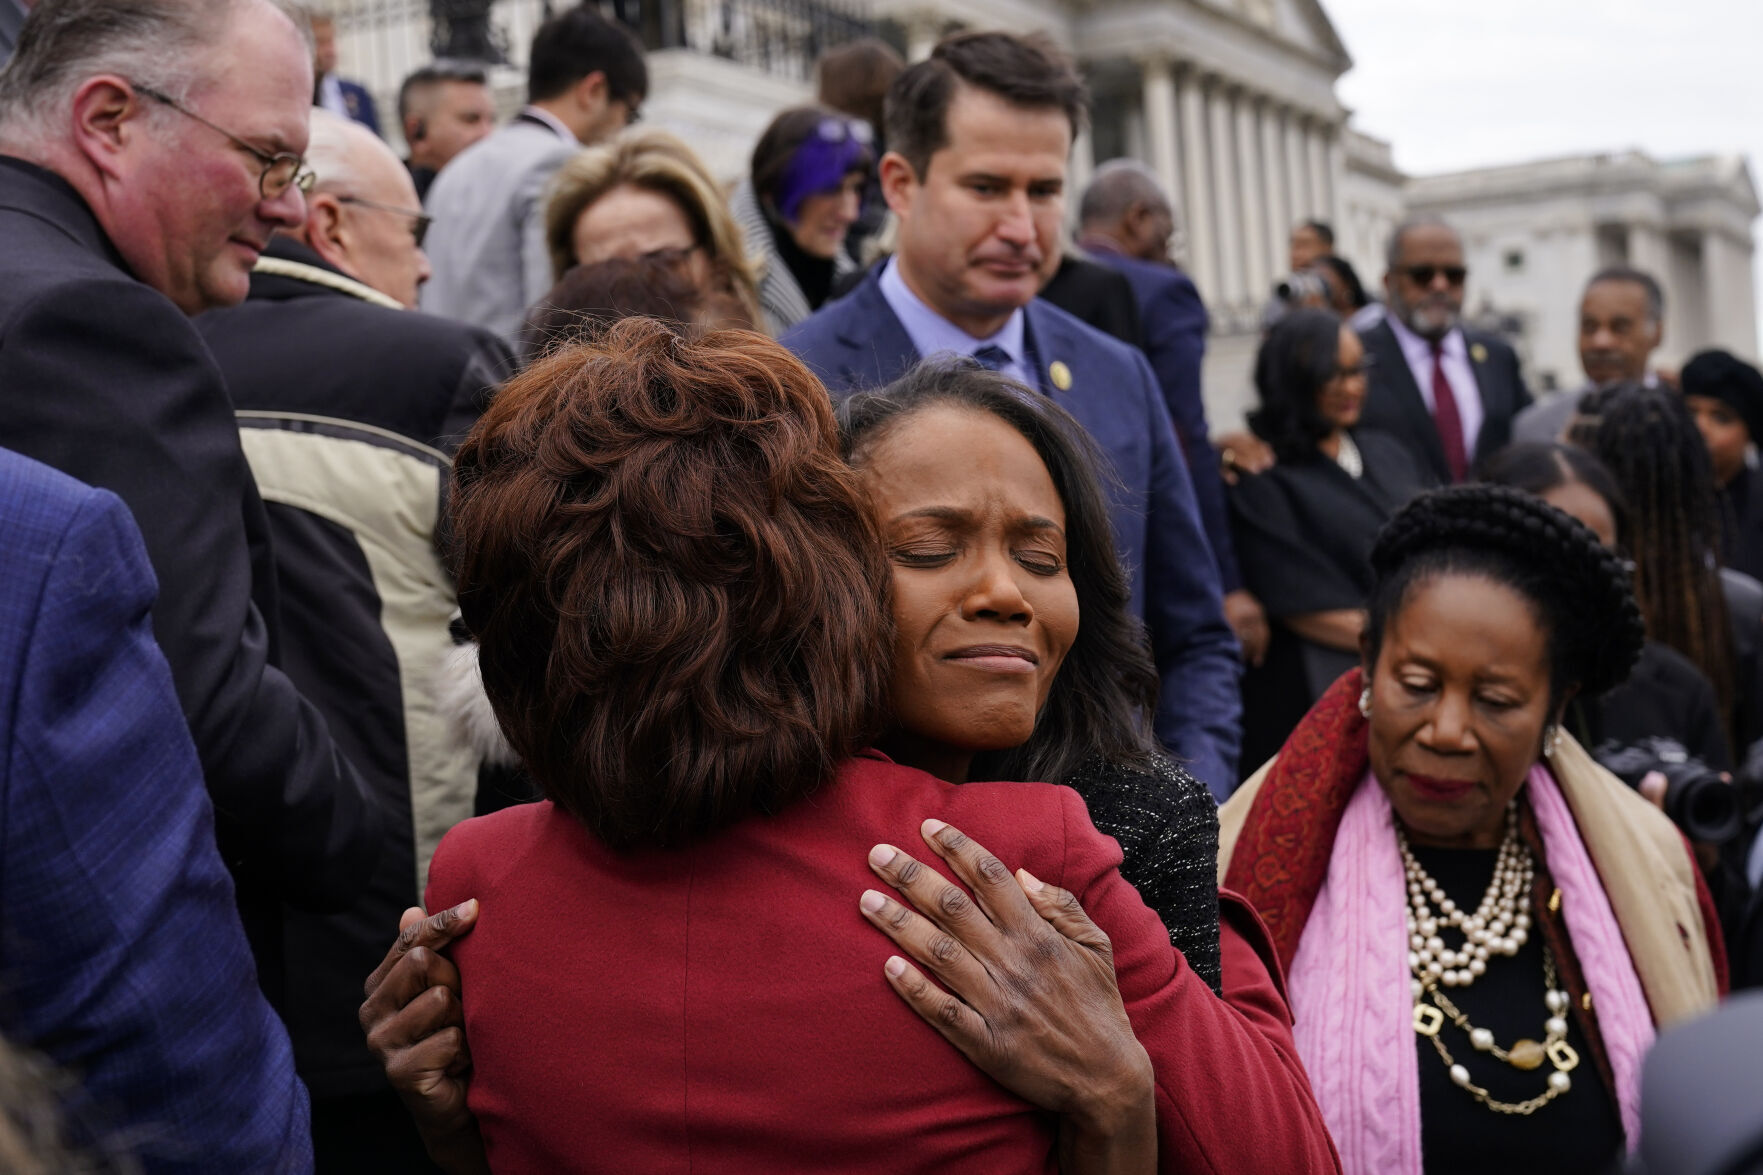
[[415, 1026], [1243, 612], [1241, 453], [1035, 1003]]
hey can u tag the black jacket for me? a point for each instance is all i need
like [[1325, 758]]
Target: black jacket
[[1394, 404], [350, 408], [1099, 295], [103, 378]]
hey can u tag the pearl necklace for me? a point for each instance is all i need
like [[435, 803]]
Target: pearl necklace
[[1499, 926]]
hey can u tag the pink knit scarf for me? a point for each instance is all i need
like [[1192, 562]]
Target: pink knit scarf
[[1350, 994]]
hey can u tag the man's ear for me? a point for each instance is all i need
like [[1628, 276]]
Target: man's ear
[[898, 183], [108, 119], [325, 231], [591, 92]]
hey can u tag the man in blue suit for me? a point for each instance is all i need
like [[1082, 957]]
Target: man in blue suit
[[1125, 221], [976, 177], [122, 958]]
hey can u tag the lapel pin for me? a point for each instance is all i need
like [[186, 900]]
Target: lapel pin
[[1061, 375], [1478, 352]]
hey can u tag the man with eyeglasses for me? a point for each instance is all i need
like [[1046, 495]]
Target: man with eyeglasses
[[149, 149], [328, 334], [1448, 393]]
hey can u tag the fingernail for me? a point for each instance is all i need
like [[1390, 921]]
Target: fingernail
[[466, 908], [871, 902], [1029, 881], [932, 827], [881, 855], [895, 966]]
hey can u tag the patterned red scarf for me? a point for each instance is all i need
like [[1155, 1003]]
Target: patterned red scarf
[[1281, 856]]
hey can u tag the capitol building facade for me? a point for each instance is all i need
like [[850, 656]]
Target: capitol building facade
[[1233, 105]]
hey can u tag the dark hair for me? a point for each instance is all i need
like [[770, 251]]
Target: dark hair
[[1348, 277], [1028, 72], [1578, 588], [681, 601], [577, 42], [1297, 359], [589, 299], [438, 73], [854, 78], [1103, 699], [1537, 467], [1635, 277], [1658, 458], [775, 164], [1323, 230]]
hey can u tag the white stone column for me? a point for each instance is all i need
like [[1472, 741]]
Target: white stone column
[[1257, 271], [1226, 202], [1197, 187], [1320, 203], [1273, 172], [1160, 131], [923, 30], [1297, 174], [1080, 171]]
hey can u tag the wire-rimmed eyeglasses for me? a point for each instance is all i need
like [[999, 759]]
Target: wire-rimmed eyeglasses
[[419, 221], [280, 171]]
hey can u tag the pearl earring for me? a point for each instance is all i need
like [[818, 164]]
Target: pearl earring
[[1365, 701], [1551, 735]]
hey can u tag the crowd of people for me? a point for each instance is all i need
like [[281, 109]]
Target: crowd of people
[[526, 657]]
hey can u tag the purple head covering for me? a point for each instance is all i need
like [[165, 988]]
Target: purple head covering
[[836, 148]]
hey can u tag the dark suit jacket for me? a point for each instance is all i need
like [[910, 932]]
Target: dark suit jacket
[[102, 378], [858, 342], [1174, 324], [1094, 293], [121, 957], [349, 444], [1394, 405], [360, 104]]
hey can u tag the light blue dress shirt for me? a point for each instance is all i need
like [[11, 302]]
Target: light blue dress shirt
[[932, 334]]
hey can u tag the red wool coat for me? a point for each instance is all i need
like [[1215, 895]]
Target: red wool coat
[[722, 1008]]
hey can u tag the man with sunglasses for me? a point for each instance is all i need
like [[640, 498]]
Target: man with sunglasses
[[1449, 394], [329, 334]]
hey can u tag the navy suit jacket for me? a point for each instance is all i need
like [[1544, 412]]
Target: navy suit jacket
[[858, 343], [122, 957], [360, 104], [1394, 404], [1174, 323]]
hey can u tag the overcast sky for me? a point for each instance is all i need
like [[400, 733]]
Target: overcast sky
[[1467, 83]]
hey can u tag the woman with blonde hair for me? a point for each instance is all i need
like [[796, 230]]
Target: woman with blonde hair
[[646, 194]]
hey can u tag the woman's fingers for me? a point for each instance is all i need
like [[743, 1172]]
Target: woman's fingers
[[998, 895], [415, 930], [418, 997], [958, 1023], [946, 956], [1065, 913], [934, 896]]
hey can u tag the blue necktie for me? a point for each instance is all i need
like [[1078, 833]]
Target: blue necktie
[[992, 357]]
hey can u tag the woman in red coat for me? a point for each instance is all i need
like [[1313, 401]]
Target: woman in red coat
[[639, 991]]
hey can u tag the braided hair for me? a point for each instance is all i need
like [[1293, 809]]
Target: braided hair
[[1578, 588], [1646, 438]]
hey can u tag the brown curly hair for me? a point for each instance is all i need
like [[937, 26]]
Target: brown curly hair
[[681, 600]]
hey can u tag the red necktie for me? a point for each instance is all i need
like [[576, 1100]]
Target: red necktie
[[1446, 417]]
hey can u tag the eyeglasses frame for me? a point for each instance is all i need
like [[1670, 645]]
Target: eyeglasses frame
[[300, 177], [422, 220]]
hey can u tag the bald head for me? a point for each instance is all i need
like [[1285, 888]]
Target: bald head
[[363, 211], [1126, 206]]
